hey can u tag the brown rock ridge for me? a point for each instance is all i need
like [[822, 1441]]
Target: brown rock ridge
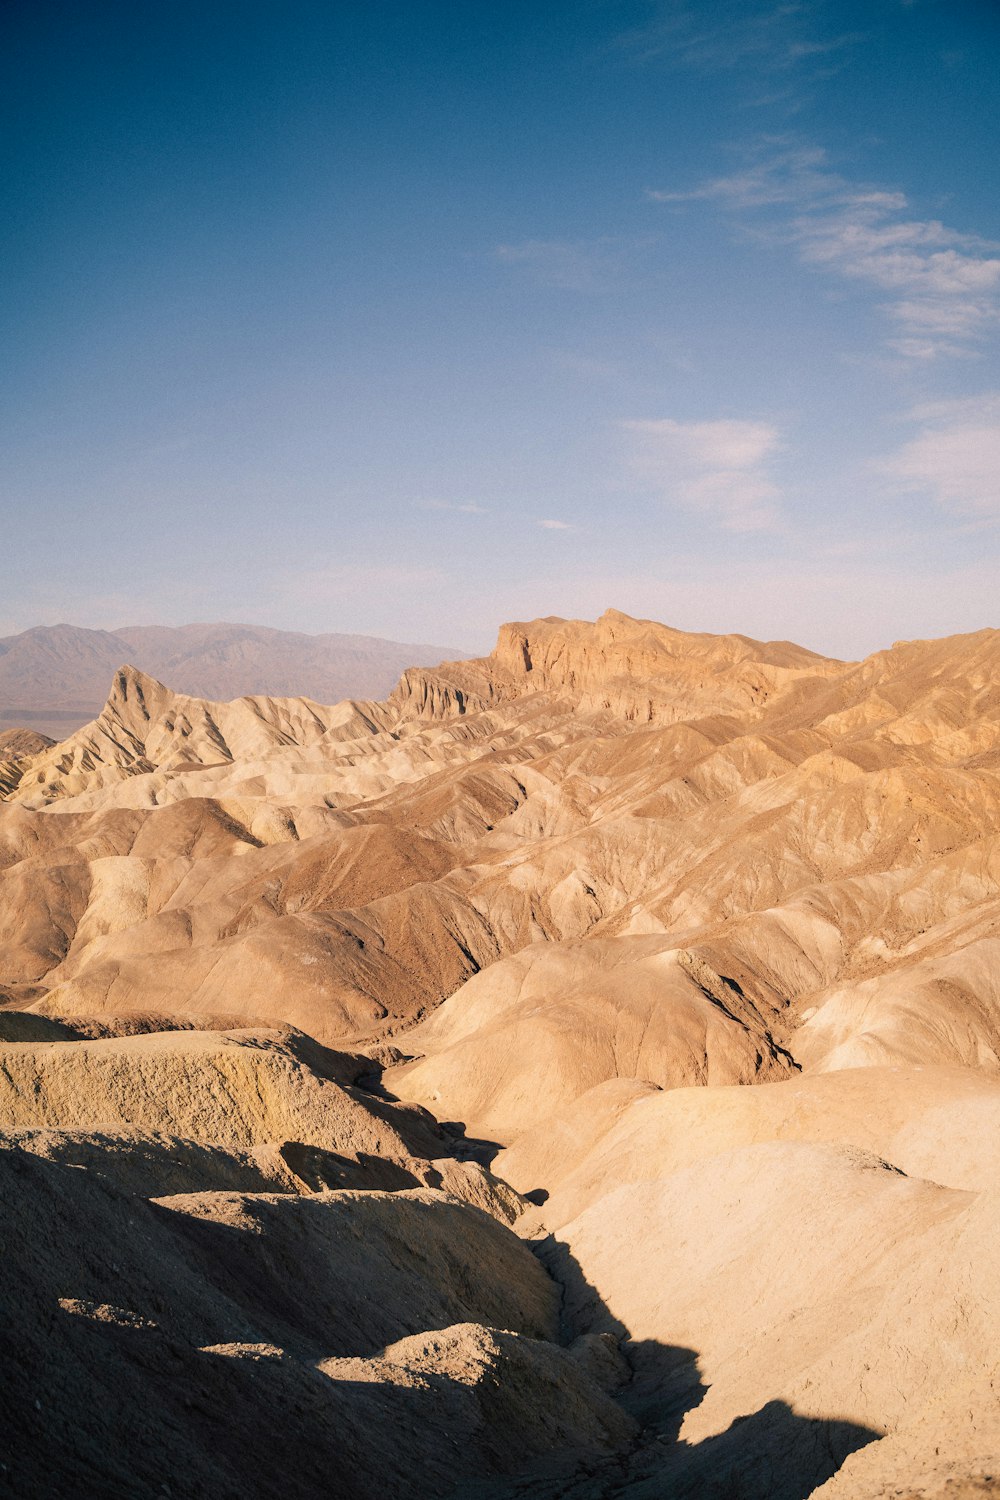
[[636, 669]]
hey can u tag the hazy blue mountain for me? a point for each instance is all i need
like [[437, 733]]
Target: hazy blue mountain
[[53, 678]]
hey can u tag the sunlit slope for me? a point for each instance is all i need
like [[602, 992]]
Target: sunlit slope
[[347, 868]]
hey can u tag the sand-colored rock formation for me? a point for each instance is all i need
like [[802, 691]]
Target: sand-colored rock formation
[[18, 747], [588, 1057]]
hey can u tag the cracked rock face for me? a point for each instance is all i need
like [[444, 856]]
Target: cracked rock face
[[576, 1075]]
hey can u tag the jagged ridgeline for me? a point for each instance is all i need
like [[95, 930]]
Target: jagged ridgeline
[[54, 678], [576, 1074]]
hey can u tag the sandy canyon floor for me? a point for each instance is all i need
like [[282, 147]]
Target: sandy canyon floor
[[577, 1075]]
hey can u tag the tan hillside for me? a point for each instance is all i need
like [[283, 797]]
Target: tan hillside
[[588, 1057]]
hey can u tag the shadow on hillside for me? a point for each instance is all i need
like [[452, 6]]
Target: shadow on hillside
[[463, 1147], [189, 1365], [773, 1453], [469, 1147]]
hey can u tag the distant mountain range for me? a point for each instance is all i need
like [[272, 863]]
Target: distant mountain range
[[54, 678]]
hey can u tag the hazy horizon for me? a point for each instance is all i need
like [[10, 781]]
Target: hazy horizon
[[406, 320], [483, 647]]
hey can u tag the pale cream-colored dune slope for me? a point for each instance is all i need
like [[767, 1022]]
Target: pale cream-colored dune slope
[[576, 1076]]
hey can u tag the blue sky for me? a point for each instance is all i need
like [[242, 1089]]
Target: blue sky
[[412, 318]]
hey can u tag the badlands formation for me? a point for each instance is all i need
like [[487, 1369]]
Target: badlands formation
[[577, 1075]]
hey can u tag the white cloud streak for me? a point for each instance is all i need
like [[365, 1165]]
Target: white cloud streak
[[467, 509], [944, 286], [731, 35], [548, 525], [719, 468], [954, 458]]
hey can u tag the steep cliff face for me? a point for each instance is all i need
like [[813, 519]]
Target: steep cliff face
[[433, 695], [647, 672], [637, 670]]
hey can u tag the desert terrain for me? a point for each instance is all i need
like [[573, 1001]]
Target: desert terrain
[[573, 1075]]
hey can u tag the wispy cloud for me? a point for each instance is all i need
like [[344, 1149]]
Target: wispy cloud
[[777, 172], [464, 509], [955, 456], [721, 468], [731, 35], [549, 525], [943, 285], [575, 265]]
